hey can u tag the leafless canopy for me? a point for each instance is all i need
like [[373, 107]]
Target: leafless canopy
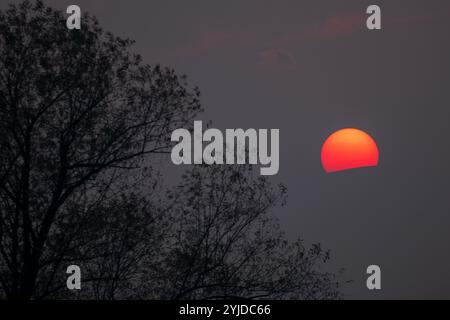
[[81, 119]]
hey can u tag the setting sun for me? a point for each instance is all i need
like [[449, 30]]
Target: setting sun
[[349, 149]]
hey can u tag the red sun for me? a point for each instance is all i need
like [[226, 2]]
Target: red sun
[[349, 149]]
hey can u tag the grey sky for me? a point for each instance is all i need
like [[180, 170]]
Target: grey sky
[[310, 68]]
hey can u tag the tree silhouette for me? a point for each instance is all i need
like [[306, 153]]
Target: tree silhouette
[[225, 244], [81, 119], [78, 112]]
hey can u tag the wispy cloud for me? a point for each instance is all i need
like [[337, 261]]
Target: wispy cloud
[[337, 26], [218, 39], [330, 27], [278, 54], [277, 60]]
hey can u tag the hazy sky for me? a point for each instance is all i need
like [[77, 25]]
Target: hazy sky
[[310, 68]]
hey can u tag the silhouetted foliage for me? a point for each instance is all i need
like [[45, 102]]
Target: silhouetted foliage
[[81, 117], [225, 244], [78, 112]]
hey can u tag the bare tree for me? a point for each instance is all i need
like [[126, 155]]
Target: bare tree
[[225, 243], [81, 119], [78, 111]]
